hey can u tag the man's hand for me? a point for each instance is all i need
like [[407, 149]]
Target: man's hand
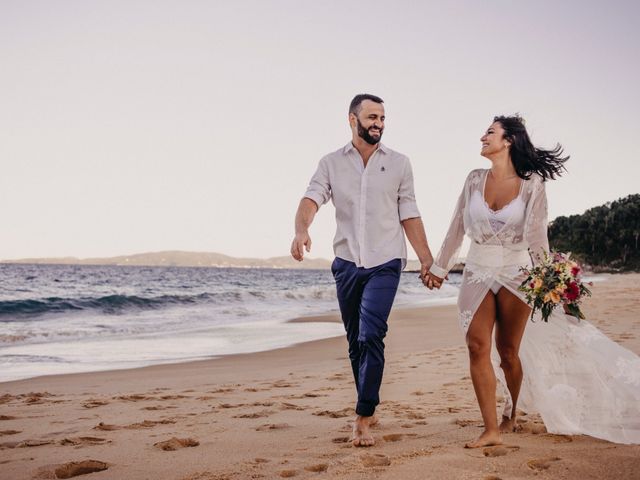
[[304, 216], [424, 270], [300, 242]]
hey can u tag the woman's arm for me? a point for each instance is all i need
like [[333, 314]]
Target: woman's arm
[[536, 222], [448, 254]]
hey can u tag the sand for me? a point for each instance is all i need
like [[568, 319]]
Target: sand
[[287, 413]]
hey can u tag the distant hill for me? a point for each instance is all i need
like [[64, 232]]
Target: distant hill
[[177, 258], [605, 237], [183, 259]]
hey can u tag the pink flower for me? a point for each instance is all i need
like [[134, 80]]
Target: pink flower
[[572, 292]]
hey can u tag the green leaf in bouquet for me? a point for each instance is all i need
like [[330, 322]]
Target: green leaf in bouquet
[[574, 310]]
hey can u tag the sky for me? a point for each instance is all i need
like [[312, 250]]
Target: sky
[[136, 126]]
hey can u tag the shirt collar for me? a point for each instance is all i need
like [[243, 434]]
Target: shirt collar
[[349, 146]]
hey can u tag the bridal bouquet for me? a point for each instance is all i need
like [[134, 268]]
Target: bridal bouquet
[[554, 281]]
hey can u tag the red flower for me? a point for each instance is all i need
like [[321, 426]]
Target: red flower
[[575, 271], [572, 292]]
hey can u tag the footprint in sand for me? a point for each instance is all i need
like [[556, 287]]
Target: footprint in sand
[[136, 397], [288, 473], [345, 412], [176, 443], [540, 464], [314, 395], [291, 406], [375, 460], [36, 398], [464, 422], [34, 443], [149, 424], [158, 407], [261, 414], [25, 443], [415, 416], [272, 426], [499, 450], [320, 467], [9, 432], [94, 403], [531, 427], [222, 390], [560, 438], [284, 385], [393, 437], [106, 427], [73, 469], [75, 441], [341, 440]]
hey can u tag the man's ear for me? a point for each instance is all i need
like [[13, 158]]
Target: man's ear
[[352, 120]]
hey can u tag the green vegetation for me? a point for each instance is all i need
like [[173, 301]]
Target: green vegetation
[[606, 238]]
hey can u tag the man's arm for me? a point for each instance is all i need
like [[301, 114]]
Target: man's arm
[[304, 216], [414, 230]]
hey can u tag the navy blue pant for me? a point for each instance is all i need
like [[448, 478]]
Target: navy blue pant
[[365, 296]]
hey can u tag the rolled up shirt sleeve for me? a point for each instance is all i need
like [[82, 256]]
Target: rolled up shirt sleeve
[[319, 189], [407, 206]]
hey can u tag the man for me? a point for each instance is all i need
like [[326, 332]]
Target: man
[[372, 190]]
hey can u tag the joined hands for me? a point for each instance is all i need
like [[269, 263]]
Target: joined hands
[[431, 281]]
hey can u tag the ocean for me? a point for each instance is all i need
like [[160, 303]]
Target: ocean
[[57, 319]]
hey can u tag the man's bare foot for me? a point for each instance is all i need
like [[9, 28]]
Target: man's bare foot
[[508, 425], [373, 420], [485, 440], [361, 436]]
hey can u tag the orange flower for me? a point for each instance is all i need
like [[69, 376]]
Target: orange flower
[[552, 296]]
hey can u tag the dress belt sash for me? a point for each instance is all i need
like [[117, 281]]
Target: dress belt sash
[[496, 256]]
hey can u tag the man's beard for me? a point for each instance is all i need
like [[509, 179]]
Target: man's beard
[[364, 134]]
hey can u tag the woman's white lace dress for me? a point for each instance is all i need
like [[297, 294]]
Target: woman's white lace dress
[[575, 377]]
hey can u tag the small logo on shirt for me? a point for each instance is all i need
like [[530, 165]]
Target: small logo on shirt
[[382, 169]]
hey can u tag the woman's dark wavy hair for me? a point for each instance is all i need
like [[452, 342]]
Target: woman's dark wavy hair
[[526, 158]]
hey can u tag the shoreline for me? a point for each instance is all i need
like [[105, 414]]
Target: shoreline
[[329, 317], [287, 413]]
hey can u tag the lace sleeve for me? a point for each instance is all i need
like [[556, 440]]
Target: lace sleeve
[[536, 223], [448, 254]]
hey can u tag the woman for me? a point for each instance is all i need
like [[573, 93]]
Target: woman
[[574, 376]]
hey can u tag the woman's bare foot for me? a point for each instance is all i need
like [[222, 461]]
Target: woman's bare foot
[[361, 435], [508, 425], [487, 439]]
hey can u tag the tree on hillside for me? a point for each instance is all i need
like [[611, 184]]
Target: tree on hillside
[[605, 237]]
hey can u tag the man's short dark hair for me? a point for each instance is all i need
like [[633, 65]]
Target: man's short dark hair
[[356, 103]]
